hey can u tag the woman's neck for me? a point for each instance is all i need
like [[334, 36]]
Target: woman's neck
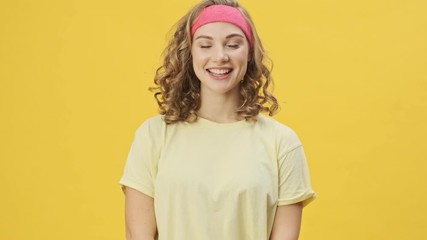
[[219, 107]]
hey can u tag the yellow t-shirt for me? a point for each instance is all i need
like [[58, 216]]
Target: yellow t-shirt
[[217, 181]]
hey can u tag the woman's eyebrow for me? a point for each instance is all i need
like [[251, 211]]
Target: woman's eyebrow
[[204, 36], [234, 35], [228, 37]]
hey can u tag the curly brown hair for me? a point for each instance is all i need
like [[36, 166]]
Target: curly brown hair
[[178, 89]]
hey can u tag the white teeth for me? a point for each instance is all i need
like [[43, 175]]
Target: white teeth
[[220, 71]]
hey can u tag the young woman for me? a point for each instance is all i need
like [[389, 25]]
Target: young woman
[[210, 166]]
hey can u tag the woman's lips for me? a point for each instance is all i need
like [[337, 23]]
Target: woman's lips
[[219, 73]]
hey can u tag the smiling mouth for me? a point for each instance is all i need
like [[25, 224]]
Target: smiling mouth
[[219, 72]]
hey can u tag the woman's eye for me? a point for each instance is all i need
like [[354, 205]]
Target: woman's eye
[[205, 46], [233, 45]]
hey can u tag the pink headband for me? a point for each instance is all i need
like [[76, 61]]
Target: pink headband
[[223, 13]]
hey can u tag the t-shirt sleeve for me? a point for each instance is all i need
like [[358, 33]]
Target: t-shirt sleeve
[[294, 176], [141, 165]]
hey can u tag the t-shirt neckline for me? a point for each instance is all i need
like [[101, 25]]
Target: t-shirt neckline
[[204, 121]]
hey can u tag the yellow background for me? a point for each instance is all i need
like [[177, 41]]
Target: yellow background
[[73, 89]]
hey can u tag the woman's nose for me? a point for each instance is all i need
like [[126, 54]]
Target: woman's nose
[[220, 55]]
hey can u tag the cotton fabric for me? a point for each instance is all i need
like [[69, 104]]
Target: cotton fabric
[[217, 181]]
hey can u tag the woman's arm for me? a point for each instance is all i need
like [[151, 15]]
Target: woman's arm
[[287, 222], [139, 214]]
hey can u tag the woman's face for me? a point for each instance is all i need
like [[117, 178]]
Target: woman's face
[[220, 54]]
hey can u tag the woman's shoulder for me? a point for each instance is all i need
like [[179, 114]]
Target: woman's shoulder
[[277, 129], [155, 120], [271, 123], [152, 124]]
